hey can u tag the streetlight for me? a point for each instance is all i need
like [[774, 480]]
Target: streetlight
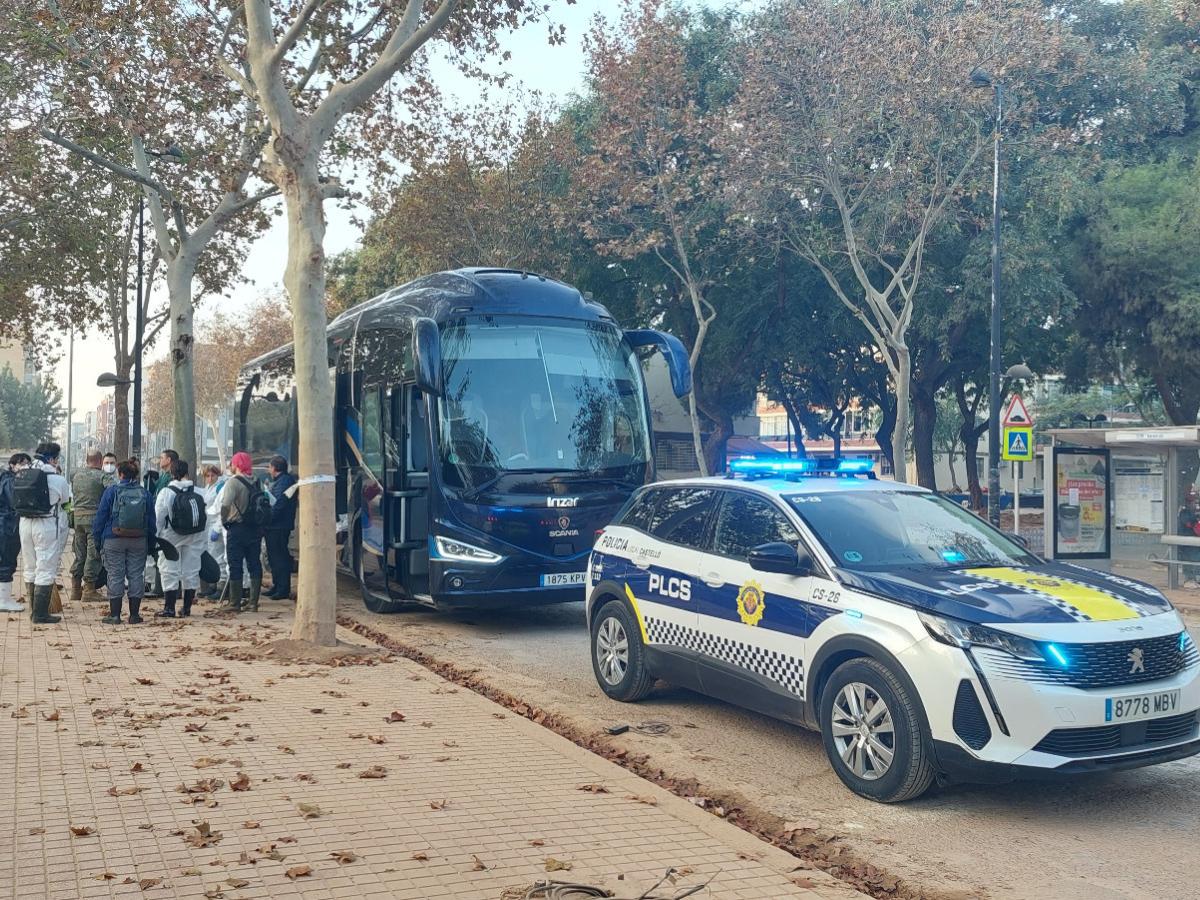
[[980, 78]]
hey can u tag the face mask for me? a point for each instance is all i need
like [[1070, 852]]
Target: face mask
[[110, 468]]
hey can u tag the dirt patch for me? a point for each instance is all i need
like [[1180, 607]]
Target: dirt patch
[[819, 848], [288, 651]]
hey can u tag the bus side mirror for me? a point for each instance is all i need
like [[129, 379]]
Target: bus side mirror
[[427, 356], [672, 350]]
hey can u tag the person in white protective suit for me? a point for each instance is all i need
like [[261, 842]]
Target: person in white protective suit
[[40, 496], [211, 492], [181, 521]]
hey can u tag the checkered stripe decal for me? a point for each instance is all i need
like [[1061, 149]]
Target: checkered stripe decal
[[781, 668]]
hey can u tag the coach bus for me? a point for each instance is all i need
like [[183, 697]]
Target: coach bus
[[487, 423]]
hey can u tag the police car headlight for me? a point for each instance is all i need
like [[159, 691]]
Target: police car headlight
[[460, 551], [967, 634]]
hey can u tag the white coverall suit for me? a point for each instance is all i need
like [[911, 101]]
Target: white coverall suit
[[44, 538], [182, 574], [215, 533]]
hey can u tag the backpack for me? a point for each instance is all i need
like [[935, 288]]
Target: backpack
[[31, 493], [187, 512], [129, 511], [258, 509]]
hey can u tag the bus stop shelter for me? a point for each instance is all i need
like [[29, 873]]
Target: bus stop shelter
[[1116, 496]]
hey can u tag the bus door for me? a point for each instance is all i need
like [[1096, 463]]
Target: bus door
[[408, 488]]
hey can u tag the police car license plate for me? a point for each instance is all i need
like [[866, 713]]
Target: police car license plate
[[1141, 706], [560, 579]]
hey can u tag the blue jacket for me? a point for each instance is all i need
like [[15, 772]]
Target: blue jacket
[[283, 513], [102, 527]]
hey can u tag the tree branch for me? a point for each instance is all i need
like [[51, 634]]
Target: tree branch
[[105, 163], [294, 33]]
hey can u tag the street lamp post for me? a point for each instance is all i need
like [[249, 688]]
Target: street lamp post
[[983, 79], [135, 442]]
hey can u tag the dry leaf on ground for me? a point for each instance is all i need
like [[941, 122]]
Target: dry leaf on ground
[[376, 739], [344, 856], [298, 872], [237, 882], [241, 783], [558, 865], [593, 788], [394, 716], [115, 791], [250, 823], [373, 772], [343, 765], [438, 804], [206, 762], [308, 810], [479, 866], [202, 835], [537, 842], [51, 716], [421, 856], [146, 681], [105, 876], [146, 883], [137, 767], [82, 830]]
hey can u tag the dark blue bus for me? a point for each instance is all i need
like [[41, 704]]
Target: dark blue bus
[[488, 422]]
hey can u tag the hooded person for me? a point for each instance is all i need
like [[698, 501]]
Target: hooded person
[[243, 534], [40, 495], [181, 520]]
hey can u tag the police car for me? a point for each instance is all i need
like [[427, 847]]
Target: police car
[[922, 643]]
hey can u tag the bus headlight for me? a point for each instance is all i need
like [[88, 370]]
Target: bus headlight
[[967, 634], [460, 551]]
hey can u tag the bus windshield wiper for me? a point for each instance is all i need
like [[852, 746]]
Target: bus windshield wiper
[[478, 489]]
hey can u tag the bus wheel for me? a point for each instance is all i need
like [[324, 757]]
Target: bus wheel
[[377, 603]]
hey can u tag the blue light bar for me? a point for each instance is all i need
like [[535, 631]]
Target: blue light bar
[[855, 465], [826, 466], [1057, 655], [1184, 640], [770, 465]]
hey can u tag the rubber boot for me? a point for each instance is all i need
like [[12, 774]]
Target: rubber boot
[[218, 591], [189, 597], [41, 606], [29, 586], [76, 590], [235, 597], [168, 610], [135, 607], [255, 590], [114, 612], [7, 603]]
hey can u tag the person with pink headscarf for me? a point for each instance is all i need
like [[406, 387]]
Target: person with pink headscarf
[[243, 536]]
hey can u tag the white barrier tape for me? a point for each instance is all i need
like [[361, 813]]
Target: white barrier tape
[[311, 479]]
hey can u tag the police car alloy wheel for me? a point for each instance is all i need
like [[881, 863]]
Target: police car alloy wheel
[[618, 656], [873, 733]]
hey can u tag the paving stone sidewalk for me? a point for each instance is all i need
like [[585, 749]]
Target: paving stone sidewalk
[[171, 760]]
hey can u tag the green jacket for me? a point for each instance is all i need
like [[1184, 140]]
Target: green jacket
[[87, 486], [164, 479]]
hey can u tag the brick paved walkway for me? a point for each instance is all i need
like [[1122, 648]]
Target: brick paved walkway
[[130, 737]]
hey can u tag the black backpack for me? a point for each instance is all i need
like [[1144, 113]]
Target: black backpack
[[258, 508], [31, 493], [187, 512], [129, 511]]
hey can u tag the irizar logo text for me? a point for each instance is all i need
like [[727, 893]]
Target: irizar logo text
[[561, 502], [669, 586]]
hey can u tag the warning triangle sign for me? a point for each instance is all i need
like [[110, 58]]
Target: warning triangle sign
[[1017, 414]]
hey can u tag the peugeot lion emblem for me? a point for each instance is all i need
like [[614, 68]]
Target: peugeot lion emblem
[[1136, 662]]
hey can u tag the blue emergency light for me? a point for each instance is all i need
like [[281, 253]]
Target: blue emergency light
[[763, 467]]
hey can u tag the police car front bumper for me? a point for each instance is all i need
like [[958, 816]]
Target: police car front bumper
[[988, 727]]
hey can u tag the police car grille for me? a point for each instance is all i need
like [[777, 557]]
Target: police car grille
[[1101, 665], [1106, 738]]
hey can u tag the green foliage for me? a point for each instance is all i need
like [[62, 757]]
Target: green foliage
[[29, 413]]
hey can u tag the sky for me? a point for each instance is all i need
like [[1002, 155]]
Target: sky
[[555, 72]]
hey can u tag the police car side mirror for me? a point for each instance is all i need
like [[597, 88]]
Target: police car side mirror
[[780, 558]]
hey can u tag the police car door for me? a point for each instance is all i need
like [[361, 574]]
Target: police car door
[[754, 623], [663, 574]]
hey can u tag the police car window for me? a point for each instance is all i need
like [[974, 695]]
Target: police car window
[[641, 512], [876, 530], [746, 521], [682, 516]]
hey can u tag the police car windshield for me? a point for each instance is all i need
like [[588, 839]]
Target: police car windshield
[[875, 530]]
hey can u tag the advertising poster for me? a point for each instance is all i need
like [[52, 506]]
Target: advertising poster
[[1081, 498]]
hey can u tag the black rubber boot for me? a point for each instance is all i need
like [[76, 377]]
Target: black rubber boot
[[41, 606], [235, 597], [135, 607], [255, 590], [189, 597], [114, 612], [168, 610]]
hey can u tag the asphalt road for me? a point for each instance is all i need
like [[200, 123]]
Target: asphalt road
[[1131, 834]]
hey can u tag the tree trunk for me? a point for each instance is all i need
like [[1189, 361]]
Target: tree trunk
[[970, 440], [179, 289], [924, 409], [694, 361], [316, 606], [121, 417], [714, 447], [900, 432]]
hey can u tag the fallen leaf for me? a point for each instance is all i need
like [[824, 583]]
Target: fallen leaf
[[214, 894], [317, 710], [309, 810], [376, 739], [649, 801], [298, 872], [146, 883], [51, 716], [305, 776], [98, 766], [344, 856], [593, 788], [236, 882], [421, 856], [82, 830], [115, 791], [558, 865], [442, 758], [105, 876], [343, 765], [241, 783], [373, 772], [145, 681], [37, 830], [438, 804], [194, 726], [137, 767], [203, 786], [190, 871], [479, 866], [449, 743], [202, 835], [426, 724], [250, 824], [537, 842], [286, 749], [498, 716], [394, 716], [206, 762]]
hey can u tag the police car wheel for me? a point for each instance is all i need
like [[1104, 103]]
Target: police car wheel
[[618, 655], [873, 734]]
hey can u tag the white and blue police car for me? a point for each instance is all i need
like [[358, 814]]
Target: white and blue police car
[[921, 642]]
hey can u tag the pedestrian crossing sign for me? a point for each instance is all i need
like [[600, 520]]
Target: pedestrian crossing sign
[[1018, 444]]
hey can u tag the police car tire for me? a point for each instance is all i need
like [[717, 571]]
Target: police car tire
[[911, 771], [637, 680]]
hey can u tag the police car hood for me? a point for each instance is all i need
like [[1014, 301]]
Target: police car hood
[[1047, 592]]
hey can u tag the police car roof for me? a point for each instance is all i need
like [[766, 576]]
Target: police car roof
[[804, 484]]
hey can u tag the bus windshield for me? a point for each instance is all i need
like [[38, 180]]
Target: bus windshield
[[538, 399]]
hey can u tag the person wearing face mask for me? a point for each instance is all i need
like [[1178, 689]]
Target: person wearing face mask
[[39, 495], [10, 537], [109, 468], [87, 486]]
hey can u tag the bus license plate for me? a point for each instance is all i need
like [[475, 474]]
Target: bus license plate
[[1141, 706], [561, 579]]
